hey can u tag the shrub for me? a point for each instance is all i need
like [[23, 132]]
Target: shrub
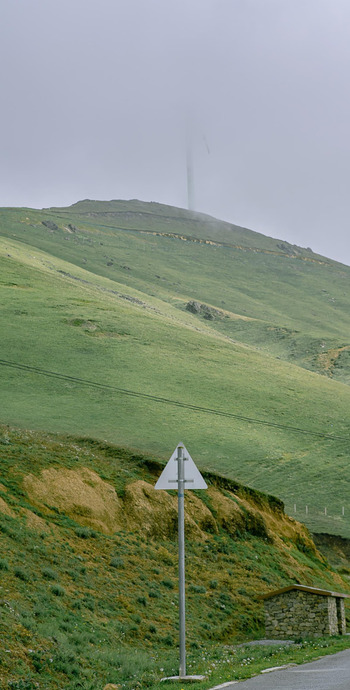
[[142, 601], [133, 630], [85, 533], [89, 602], [39, 660], [198, 589], [116, 562], [4, 564], [14, 534], [22, 574], [65, 661], [153, 594], [40, 611], [167, 583], [58, 590], [49, 574]]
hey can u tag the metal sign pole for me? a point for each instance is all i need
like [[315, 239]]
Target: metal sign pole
[[181, 525], [174, 474]]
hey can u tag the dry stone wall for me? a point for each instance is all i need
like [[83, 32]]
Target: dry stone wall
[[341, 616]]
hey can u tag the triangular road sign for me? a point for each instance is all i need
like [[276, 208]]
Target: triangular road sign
[[169, 479]]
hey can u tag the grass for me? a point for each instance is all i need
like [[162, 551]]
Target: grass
[[106, 302], [233, 663], [81, 612]]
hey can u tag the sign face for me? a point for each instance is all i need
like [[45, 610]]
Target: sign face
[[169, 477]]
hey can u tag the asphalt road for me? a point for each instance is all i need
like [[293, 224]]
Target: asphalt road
[[329, 673]]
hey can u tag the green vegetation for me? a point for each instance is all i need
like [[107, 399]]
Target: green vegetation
[[227, 663], [78, 612], [99, 291]]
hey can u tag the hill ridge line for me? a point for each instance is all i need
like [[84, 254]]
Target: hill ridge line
[[190, 238]]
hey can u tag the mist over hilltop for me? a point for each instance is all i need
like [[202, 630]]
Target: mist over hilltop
[[263, 84]]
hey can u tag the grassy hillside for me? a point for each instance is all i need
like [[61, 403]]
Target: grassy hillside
[[100, 291], [88, 568]]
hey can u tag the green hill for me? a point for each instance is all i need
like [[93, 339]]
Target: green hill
[[88, 568], [145, 300]]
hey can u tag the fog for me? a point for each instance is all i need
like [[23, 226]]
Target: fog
[[97, 96]]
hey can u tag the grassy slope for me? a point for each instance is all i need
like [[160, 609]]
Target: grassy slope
[[108, 304], [80, 608]]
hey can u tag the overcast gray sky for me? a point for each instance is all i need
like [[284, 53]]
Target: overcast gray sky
[[95, 95]]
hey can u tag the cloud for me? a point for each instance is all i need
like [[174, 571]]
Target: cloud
[[96, 95]]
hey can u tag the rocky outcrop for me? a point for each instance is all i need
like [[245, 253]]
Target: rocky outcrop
[[209, 313]]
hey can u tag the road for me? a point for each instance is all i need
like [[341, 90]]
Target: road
[[329, 673]]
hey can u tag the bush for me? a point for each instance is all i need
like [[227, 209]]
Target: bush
[[65, 662], [89, 602], [198, 589], [116, 562], [133, 630], [4, 564], [167, 583], [39, 661], [154, 594], [85, 533], [142, 601], [58, 590], [14, 534], [49, 574], [22, 574]]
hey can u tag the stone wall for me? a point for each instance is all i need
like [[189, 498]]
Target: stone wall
[[297, 614], [332, 616], [341, 616]]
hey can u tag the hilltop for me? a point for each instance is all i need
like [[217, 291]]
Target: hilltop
[[106, 302], [88, 570]]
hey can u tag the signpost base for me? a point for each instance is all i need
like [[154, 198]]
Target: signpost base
[[183, 679]]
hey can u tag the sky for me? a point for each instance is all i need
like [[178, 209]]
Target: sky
[[98, 97]]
